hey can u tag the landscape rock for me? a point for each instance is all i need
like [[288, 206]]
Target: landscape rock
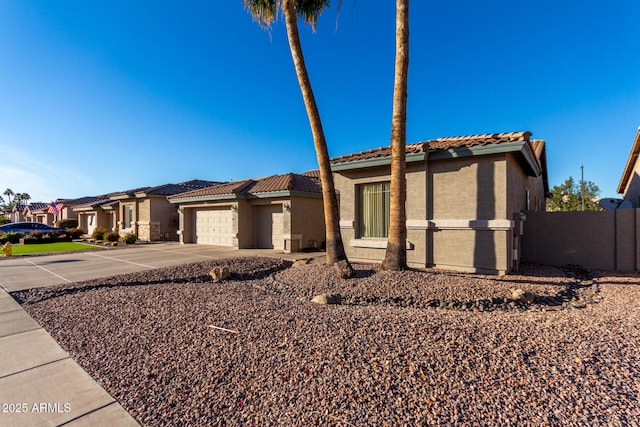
[[220, 273], [300, 263], [324, 299], [522, 296]]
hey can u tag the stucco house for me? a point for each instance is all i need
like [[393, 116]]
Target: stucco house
[[280, 212], [147, 213], [17, 213], [629, 185], [466, 200], [37, 212], [98, 213]]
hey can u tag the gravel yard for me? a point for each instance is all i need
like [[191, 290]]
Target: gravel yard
[[409, 348]]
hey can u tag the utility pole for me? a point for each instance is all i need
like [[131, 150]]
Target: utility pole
[[582, 186]]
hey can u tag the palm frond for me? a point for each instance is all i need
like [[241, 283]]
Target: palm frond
[[264, 12]]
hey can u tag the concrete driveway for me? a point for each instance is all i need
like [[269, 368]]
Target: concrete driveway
[[19, 273]]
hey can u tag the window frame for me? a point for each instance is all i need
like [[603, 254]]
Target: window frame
[[374, 231]]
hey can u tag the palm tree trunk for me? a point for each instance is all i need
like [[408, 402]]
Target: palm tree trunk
[[335, 247], [396, 254]]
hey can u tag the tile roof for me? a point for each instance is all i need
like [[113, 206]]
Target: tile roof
[[130, 193], [37, 206], [228, 188], [84, 200], [312, 173], [287, 182], [101, 203], [447, 143], [290, 182], [171, 189]]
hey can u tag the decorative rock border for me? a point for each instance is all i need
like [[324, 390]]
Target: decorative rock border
[[583, 290]]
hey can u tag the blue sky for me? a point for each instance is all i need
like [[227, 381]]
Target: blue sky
[[103, 96]]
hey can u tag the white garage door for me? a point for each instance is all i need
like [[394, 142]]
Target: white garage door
[[213, 226], [270, 227]]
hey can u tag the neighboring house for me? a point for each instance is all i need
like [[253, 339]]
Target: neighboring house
[[80, 209], [37, 212], [279, 212], [466, 197], [629, 185], [17, 213], [147, 213], [99, 213]]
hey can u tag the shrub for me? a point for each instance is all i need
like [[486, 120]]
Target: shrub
[[129, 238], [34, 235], [98, 233], [111, 236], [67, 223], [4, 221], [10, 237], [75, 233]]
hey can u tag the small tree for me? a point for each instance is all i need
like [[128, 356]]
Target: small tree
[[568, 196]]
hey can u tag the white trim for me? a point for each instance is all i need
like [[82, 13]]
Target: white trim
[[474, 224], [419, 224], [460, 224], [347, 223]]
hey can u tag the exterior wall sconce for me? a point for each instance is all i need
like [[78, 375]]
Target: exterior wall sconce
[[234, 208], [286, 207]]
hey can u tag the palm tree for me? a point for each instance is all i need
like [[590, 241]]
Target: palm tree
[[265, 12], [396, 255]]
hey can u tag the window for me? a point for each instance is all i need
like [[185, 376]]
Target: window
[[374, 209], [128, 216]]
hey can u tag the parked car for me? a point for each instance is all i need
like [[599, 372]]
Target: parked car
[[29, 227]]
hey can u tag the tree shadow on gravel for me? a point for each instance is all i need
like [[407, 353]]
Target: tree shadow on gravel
[[242, 269]]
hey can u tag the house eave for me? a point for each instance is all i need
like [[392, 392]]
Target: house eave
[[631, 161], [478, 150], [265, 195], [85, 209], [206, 198], [284, 193], [377, 161]]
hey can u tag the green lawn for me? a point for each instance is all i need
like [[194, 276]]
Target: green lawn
[[51, 247]]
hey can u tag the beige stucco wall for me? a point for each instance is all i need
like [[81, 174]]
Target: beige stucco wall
[[357, 249], [468, 188], [460, 212], [463, 191], [122, 214], [482, 251], [165, 216], [102, 219], [307, 220]]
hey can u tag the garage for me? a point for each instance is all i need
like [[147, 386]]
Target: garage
[[213, 226], [269, 227]]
